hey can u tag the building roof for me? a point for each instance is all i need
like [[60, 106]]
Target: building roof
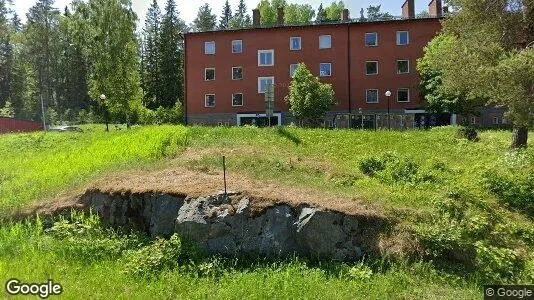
[[318, 24]]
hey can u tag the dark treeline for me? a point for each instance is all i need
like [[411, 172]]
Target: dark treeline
[[64, 61]]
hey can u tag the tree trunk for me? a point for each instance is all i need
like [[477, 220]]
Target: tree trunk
[[520, 137]]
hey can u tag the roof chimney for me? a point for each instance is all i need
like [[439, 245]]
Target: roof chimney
[[408, 9], [435, 8], [280, 16], [256, 17], [345, 15]]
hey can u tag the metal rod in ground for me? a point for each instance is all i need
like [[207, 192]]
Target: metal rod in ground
[[224, 174]]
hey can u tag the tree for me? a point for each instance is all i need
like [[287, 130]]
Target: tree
[[241, 18], [502, 32], [150, 69], [269, 11], [333, 12], [41, 36], [6, 54], [205, 20], [226, 16], [374, 14], [432, 80], [298, 14], [321, 14], [171, 57], [309, 100], [106, 33]]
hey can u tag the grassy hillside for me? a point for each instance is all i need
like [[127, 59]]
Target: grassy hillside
[[468, 205]]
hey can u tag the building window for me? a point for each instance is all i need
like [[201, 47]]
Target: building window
[[292, 69], [237, 99], [473, 120], [237, 73], [237, 46], [209, 100], [295, 43], [371, 68], [209, 48], [209, 74], [403, 95], [325, 42], [371, 96], [371, 39], [325, 70], [265, 58], [495, 120], [263, 83], [403, 38], [403, 66]]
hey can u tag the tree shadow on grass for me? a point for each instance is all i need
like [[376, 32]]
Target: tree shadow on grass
[[281, 131]]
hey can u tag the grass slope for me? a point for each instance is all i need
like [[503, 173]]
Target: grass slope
[[467, 203]]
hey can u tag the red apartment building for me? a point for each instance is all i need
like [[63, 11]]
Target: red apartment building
[[227, 72]]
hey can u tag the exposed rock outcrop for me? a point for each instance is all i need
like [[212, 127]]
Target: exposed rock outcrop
[[228, 225]]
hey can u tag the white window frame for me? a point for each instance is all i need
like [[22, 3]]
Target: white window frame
[[377, 67], [376, 39], [242, 73], [242, 99], [329, 36], [407, 37], [260, 52], [495, 120], [206, 73], [259, 82], [240, 116], [291, 43], [367, 96], [397, 66], [403, 89], [206, 48], [206, 100], [473, 120], [240, 42], [320, 65]]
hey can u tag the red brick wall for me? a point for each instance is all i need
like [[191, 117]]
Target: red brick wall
[[15, 125]]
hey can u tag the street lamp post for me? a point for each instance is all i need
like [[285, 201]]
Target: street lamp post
[[388, 95], [105, 106], [361, 115]]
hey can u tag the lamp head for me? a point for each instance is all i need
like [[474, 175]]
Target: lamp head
[[388, 93]]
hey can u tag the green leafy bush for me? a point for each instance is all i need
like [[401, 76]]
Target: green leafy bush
[[391, 168], [469, 133], [515, 189], [162, 254]]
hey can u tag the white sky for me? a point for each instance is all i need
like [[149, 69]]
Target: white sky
[[188, 8]]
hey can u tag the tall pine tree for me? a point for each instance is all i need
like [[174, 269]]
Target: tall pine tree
[[171, 57], [226, 16], [150, 73], [321, 14], [205, 20], [241, 18], [6, 54], [41, 35]]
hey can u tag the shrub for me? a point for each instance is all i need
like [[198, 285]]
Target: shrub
[[513, 188], [162, 254], [468, 132], [372, 165]]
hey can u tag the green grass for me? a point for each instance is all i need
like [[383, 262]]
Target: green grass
[[33, 254], [433, 184], [39, 165]]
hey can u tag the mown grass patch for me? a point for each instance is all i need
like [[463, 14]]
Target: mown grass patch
[[40, 164]]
